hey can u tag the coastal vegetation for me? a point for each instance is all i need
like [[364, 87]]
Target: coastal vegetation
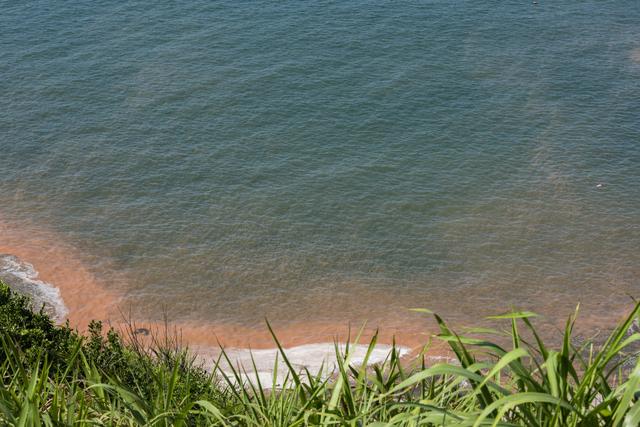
[[53, 376]]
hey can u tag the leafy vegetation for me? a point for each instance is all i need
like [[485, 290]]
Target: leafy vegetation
[[52, 376]]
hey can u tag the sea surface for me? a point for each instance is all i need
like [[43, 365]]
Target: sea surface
[[324, 163]]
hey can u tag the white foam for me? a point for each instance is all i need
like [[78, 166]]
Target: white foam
[[23, 278], [317, 358]]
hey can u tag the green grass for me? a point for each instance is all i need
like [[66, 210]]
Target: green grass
[[52, 376]]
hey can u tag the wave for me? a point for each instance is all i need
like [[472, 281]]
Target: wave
[[23, 278]]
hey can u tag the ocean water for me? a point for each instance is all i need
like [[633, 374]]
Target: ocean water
[[325, 163]]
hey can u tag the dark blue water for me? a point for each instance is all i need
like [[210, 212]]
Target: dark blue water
[[331, 160]]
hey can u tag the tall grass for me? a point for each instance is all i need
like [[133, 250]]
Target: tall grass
[[110, 381]]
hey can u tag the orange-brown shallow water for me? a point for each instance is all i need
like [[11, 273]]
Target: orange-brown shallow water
[[89, 297], [61, 265]]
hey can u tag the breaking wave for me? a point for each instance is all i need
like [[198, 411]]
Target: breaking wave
[[23, 278]]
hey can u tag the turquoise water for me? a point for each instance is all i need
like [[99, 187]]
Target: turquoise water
[[308, 161]]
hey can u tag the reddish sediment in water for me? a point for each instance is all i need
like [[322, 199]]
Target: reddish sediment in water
[[60, 265], [87, 298], [291, 335]]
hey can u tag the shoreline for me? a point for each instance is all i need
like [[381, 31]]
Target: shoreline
[[243, 345], [55, 266], [86, 298]]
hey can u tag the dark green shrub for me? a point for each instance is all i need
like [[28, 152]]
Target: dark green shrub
[[33, 339], [33, 332]]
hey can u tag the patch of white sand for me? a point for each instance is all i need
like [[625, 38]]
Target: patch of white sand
[[317, 358]]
